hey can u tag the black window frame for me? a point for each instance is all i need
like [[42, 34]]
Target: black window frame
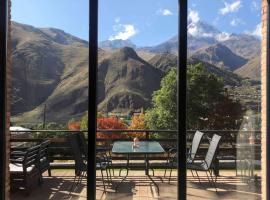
[[3, 67], [93, 58]]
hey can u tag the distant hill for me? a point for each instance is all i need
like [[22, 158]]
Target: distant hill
[[251, 70], [228, 77], [244, 45], [164, 61], [115, 44], [220, 56]]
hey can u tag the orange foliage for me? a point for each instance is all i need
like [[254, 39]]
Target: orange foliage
[[137, 122], [74, 126], [110, 123]]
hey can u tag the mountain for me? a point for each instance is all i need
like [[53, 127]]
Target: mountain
[[48, 70], [169, 46], [201, 34], [126, 81], [50, 67], [220, 56], [50, 74], [244, 45], [115, 44], [164, 61], [228, 77], [251, 70]]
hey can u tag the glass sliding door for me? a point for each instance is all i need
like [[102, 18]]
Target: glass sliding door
[[224, 100], [49, 98], [136, 144]]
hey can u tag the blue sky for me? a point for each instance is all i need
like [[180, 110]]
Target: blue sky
[[145, 22]]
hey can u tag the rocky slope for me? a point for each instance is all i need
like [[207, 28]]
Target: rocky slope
[[50, 67], [220, 56]]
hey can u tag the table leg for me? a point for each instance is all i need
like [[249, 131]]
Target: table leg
[[152, 180], [147, 172], [127, 168], [146, 164]]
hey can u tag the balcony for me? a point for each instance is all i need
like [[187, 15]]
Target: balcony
[[231, 183]]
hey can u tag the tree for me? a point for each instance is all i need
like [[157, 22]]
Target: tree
[[207, 105], [84, 122], [204, 92], [137, 123], [110, 123], [163, 115], [74, 126]]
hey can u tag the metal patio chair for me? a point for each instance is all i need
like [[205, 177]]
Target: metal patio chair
[[191, 155], [207, 163], [80, 156]]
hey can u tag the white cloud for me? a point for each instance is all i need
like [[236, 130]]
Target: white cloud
[[117, 19], [193, 16], [236, 22], [229, 8], [223, 36], [125, 31], [258, 30], [164, 12], [255, 6]]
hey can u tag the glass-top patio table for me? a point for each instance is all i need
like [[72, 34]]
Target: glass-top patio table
[[145, 148]]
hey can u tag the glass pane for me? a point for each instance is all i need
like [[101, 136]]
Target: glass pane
[[137, 93], [49, 98], [224, 101]]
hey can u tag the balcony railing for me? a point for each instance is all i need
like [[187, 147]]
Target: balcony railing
[[61, 155]]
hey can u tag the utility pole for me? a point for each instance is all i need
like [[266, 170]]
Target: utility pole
[[44, 116]]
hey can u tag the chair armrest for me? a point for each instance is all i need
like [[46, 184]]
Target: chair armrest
[[16, 161], [172, 150], [22, 153]]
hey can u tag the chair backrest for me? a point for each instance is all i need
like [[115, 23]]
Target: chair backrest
[[83, 144], [195, 144], [31, 157], [212, 150], [77, 152], [44, 149]]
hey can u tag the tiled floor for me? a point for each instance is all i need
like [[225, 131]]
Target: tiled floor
[[138, 187]]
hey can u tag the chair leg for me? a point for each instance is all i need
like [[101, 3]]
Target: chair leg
[[167, 164], [198, 176], [214, 182], [73, 184], [40, 179], [170, 175], [49, 172], [192, 173], [102, 178], [110, 175], [209, 178], [111, 167], [81, 177], [27, 186]]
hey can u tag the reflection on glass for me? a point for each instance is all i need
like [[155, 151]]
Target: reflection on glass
[[224, 99], [137, 99], [49, 99]]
